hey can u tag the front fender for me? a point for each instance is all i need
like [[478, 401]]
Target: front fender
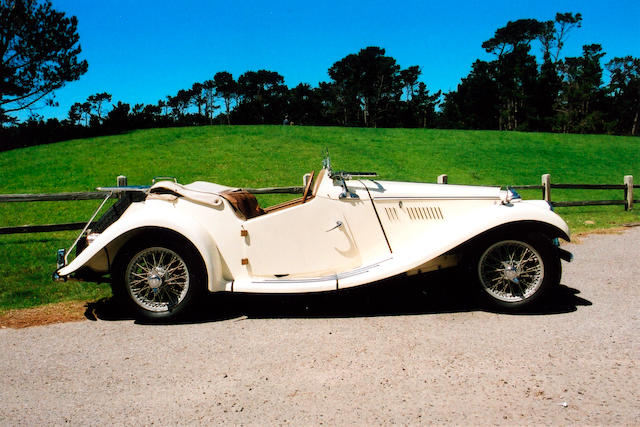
[[520, 215], [427, 246], [153, 214], [535, 214]]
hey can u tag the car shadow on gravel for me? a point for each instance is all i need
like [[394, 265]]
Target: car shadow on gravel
[[438, 292]]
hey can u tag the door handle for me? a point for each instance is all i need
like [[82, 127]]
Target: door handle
[[338, 225]]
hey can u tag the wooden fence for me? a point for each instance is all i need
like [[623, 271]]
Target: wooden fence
[[95, 195], [546, 186]]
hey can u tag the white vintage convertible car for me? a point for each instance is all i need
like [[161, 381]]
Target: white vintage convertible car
[[163, 246]]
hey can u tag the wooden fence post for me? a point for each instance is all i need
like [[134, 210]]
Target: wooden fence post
[[443, 179], [121, 181], [546, 187], [628, 192]]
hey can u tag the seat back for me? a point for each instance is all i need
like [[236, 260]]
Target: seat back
[[244, 203]]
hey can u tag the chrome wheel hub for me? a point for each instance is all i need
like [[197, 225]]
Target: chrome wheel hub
[[511, 273], [156, 278]]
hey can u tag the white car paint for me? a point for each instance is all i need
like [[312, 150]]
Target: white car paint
[[324, 244]]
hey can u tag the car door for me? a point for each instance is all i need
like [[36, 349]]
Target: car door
[[313, 239]]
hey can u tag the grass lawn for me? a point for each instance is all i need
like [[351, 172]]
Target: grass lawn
[[256, 156]]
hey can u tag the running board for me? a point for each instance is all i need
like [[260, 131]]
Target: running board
[[307, 284]]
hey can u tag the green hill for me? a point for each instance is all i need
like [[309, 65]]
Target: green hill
[[256, 156]]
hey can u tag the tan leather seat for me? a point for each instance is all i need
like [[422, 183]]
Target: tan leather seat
[[244, 203]]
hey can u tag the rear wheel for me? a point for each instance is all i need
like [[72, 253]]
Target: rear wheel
[[516, 272], [158, 277]]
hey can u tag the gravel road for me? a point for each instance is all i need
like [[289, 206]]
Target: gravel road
[[371, 356]]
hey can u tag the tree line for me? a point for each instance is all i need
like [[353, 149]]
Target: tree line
[[516, 92], [527, 86]]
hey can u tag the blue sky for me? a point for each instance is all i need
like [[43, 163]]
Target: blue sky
[[141, 51]]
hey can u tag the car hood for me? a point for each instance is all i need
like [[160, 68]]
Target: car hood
[[410, 190]]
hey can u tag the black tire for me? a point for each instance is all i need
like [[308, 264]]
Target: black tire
[[514, 272], [158, 277]]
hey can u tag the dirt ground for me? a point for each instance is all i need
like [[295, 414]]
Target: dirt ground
[[411, 351]]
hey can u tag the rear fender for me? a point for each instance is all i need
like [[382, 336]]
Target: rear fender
[[140, 219]]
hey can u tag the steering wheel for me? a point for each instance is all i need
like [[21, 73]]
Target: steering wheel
[[307, 188]]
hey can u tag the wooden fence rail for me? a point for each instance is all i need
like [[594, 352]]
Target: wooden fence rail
[[545, 186], [54, 197], [95, 195], [45, 228]]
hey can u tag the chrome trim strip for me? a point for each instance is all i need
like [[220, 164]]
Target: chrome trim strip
[[435, 198], [361, 270]]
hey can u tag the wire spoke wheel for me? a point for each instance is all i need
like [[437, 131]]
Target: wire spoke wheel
[[511, 271], [157, 279]]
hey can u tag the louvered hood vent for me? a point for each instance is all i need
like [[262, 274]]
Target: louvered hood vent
[[414, 213]]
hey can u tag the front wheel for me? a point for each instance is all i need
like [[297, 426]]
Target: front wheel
[[158, 277], [514, 273]]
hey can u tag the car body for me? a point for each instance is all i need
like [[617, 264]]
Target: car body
[[163, 246]]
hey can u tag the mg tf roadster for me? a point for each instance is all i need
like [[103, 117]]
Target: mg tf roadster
[[164, 245]]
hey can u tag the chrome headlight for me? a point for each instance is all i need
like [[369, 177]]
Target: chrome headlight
[[509, 195]]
